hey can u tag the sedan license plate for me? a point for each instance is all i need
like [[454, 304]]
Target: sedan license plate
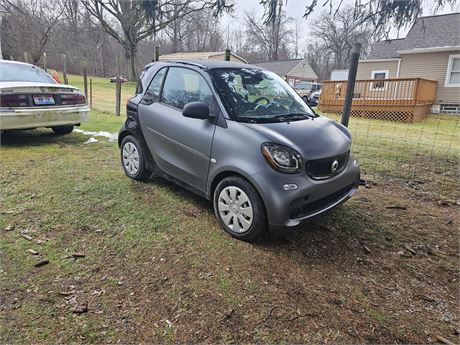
[[44, 100]]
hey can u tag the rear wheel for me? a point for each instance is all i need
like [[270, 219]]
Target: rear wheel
[[133, 159], [240, 209], [62, 129]]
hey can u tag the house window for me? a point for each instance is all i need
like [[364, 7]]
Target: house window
[[379, 85], [453, 71]]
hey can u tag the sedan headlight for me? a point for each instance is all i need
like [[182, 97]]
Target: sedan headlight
[[282, 159]]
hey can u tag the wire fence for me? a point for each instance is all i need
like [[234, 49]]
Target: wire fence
[[424, 155], [101, 93]]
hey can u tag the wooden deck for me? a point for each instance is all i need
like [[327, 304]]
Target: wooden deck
[[406, 100]]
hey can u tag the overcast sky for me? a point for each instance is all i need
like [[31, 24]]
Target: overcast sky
[[296, 9]]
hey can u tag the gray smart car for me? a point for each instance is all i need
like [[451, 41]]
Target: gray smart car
[[241, 137]]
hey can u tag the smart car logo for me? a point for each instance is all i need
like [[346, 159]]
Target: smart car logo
[[334, 166], [43, 89]]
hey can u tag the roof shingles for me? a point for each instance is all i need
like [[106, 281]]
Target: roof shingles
[[427, 32]]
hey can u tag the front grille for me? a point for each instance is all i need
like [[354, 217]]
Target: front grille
[[320, 169], [321, 204]]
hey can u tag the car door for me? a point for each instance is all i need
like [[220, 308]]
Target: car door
[[181, 146]]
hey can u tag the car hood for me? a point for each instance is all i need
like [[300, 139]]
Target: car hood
[[9, 85], [313, 138]]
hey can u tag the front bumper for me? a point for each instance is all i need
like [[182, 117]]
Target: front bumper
[[288, 208], [23, 118]]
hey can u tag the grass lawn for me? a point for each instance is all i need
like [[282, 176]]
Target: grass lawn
[[154, 266]]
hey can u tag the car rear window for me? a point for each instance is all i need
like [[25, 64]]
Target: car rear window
[[20, 72]]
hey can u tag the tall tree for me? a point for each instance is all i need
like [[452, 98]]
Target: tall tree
[[31, 24], [269, 37], [337, 32], [131, 21], [383, 15]]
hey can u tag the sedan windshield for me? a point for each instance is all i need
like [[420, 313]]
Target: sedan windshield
[[253, 95], [23, 72]]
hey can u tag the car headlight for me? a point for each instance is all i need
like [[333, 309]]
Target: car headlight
[[282, 159]]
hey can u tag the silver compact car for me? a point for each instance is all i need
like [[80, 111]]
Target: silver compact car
[[241, 137]]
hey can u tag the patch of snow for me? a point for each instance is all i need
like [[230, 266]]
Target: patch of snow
[[91, 140], [110, 136]]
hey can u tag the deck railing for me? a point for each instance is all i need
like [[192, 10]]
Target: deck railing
[[384, 92]]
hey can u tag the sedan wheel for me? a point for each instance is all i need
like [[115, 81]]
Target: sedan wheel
[[235, 209]]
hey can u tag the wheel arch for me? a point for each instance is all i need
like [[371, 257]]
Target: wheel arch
[[227, 173]]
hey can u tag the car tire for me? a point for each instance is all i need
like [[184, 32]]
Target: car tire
[[240, 209], [305, 99], [62, 129], [133, 159]]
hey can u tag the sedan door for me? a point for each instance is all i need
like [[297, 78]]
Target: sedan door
[[180, 146]]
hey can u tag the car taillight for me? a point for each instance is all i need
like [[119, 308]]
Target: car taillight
[[72, 98], [13, 101]]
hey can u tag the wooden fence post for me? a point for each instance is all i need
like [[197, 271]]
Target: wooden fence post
[[26, 57], [85, 78], [227, 54], [91, 93], [64, 69], [157, 53], [45, 63], [117, 89]]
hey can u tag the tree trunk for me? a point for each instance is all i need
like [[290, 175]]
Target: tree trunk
[[131, 54]]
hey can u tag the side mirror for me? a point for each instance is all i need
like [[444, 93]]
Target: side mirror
[[196, 110]]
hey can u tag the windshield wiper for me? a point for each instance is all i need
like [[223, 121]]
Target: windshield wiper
[[292, 117], [249, 119]]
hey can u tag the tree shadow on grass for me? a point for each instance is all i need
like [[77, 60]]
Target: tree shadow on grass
[[37, 137]]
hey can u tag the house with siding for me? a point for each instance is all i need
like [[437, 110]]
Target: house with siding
[[293, 71], [431, 50]]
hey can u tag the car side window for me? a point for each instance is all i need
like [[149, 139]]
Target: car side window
[[155, 85], [183, 85]]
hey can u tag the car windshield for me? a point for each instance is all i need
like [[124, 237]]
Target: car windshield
[[253, 95], [22, 72]]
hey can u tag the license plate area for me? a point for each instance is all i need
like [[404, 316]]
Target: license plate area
[[44, 100]]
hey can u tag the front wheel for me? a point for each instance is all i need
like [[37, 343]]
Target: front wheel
[[62, 129], [133, 159], [305, 99], [240, 209]]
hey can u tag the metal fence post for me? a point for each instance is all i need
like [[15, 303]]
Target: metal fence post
[[227, 54], [355, 51], [117, 89]]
